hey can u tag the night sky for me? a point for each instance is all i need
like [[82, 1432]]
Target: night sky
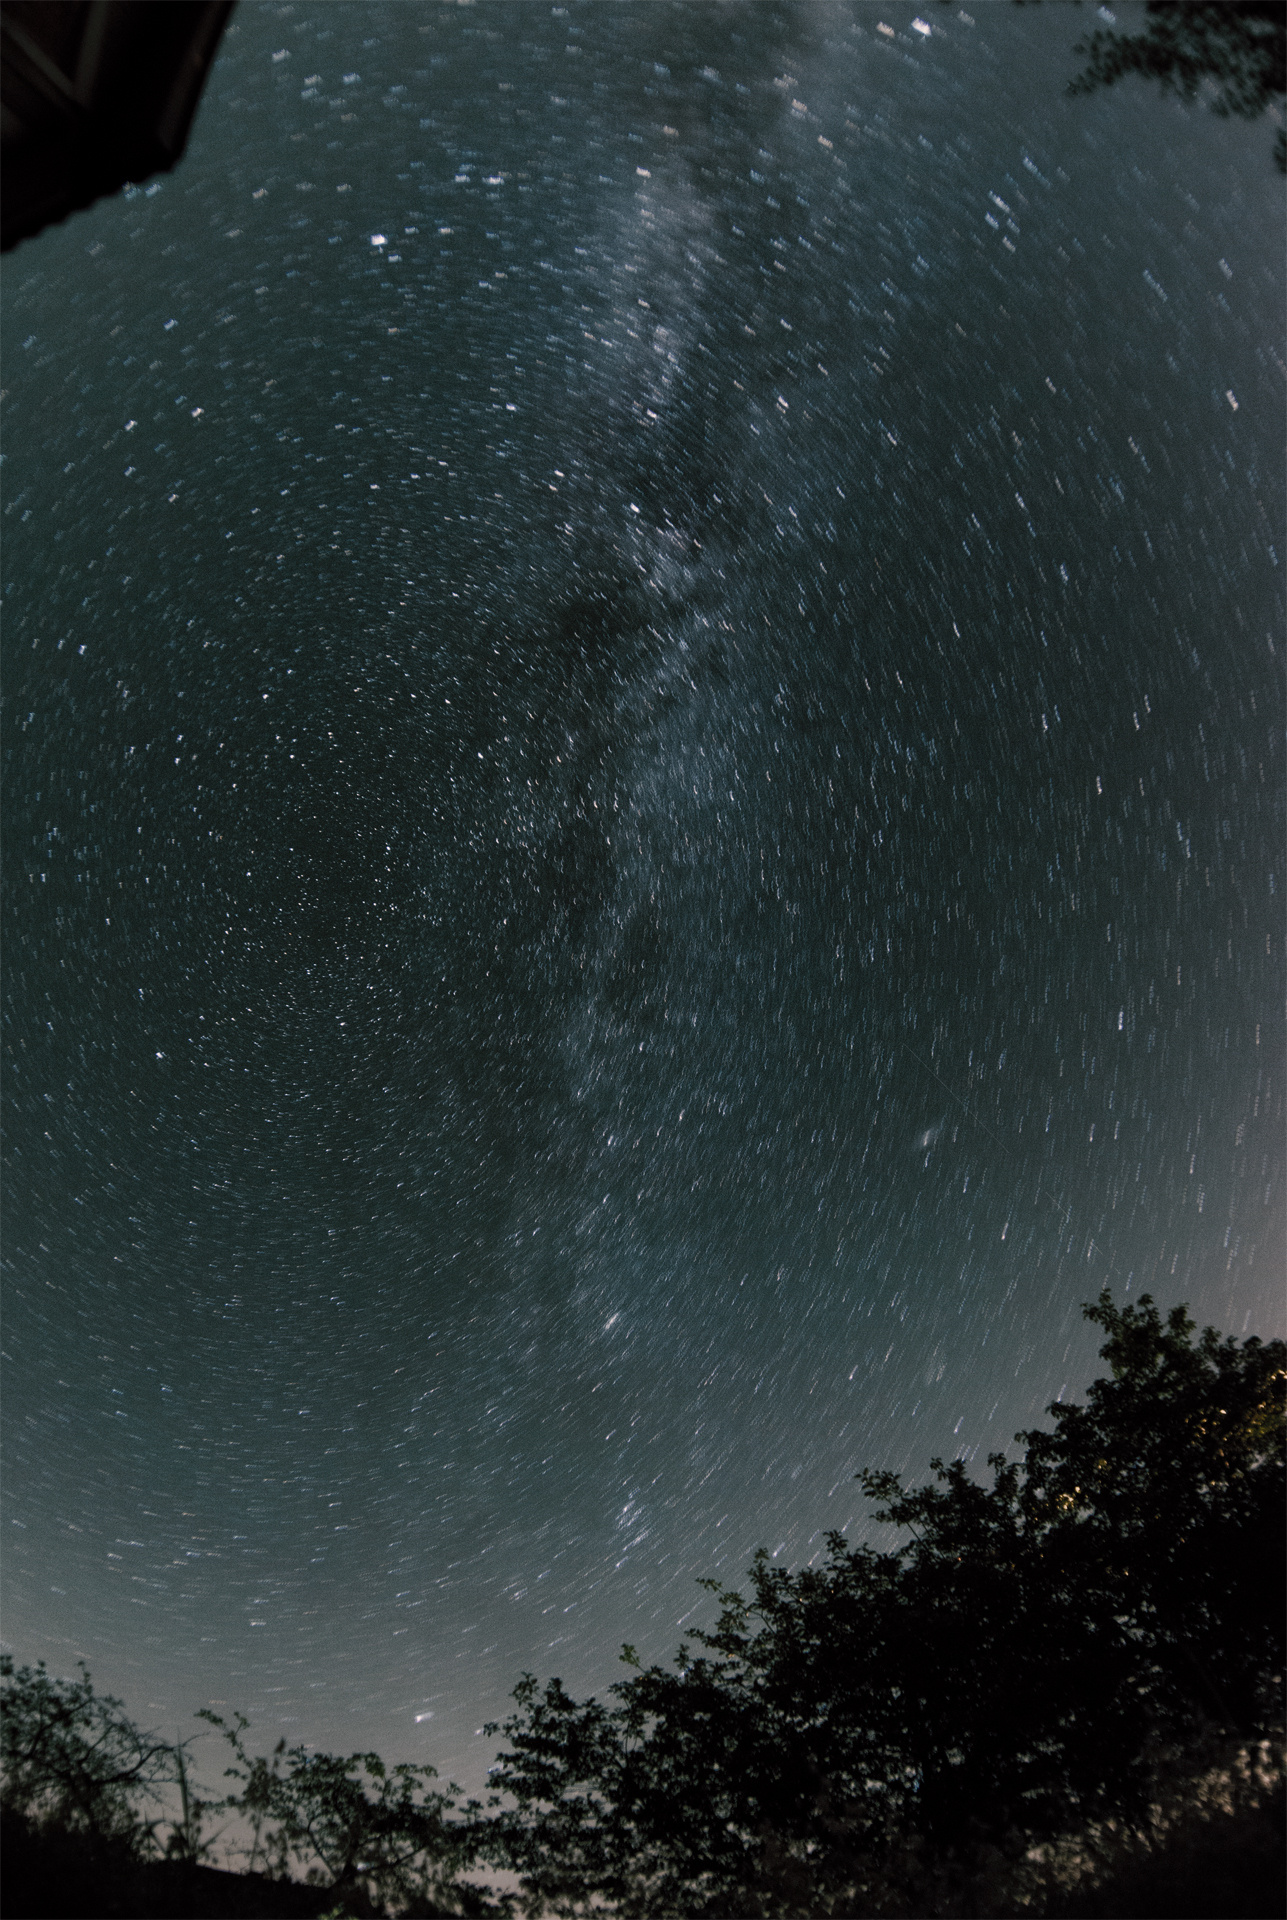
[[644, 823]]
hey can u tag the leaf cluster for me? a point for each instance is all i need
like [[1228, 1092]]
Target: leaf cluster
[[1240, 45]]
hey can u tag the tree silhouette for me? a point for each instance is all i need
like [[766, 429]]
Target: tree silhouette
[[1241, 45], [72, 1758], [375, 1835], [1031, 1660], [84, 1793], [1040, 1665]]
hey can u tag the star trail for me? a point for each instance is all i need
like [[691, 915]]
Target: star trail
[[644, 823]]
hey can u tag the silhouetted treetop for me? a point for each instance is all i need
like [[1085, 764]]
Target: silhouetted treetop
[[1239, 44], [1009, 1673]]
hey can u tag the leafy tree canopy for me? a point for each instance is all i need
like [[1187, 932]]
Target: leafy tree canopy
[[1018, 1667]]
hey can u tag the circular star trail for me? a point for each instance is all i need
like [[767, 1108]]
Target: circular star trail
[[644, 823]]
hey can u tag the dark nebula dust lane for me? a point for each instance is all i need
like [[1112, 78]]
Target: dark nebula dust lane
[[644, 796]]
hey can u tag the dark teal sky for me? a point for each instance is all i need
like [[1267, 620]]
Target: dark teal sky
[[643, 665]]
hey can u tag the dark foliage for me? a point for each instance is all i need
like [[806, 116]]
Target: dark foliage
[[896, 1731], [1221, 1861], [1241, 45], [72, 1759]]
